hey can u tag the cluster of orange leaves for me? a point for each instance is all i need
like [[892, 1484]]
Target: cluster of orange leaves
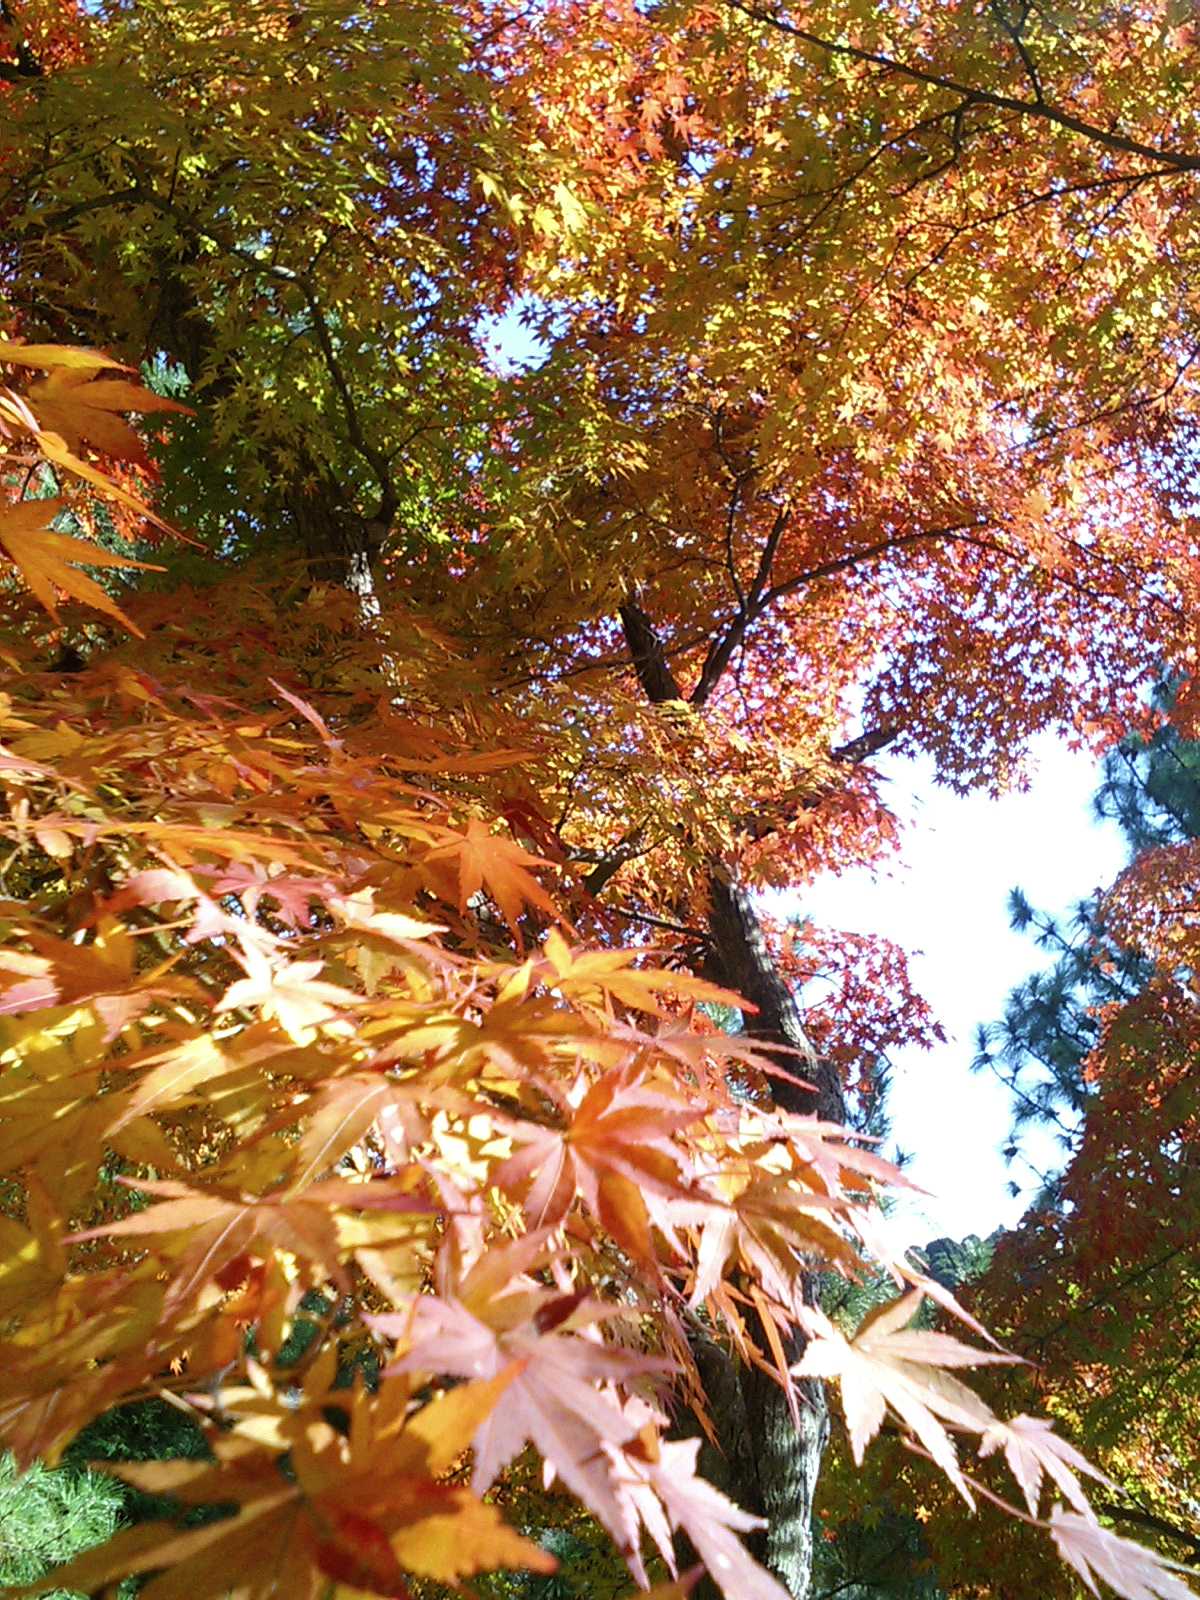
[[285, 1009]]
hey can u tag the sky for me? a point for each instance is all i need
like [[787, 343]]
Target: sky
[[946, 898]]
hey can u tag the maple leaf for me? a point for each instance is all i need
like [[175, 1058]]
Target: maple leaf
[[826, 1148], [888, 1245], [359, 913], [660, 1490], [341, 1114], [44, 559], [554, 1400], [250, 881], [56, 355], [80, 408], [487, 860], [289, 992], [364, 1509], [1032, 1448], [174, 1072], [201, 1232], [887, 1364], [617, 1152], [1130, 1569], [57, 972], [592, 977], [773, 1221], [385, 1471]]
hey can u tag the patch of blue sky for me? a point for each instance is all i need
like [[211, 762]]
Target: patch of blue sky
[[515, 340]]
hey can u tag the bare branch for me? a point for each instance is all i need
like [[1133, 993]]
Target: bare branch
[[1015, 32], [649, 658], [722, 648], [865, 745]]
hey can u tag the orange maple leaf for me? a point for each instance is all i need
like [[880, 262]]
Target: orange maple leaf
[[487, 860], [202, 1232], [82, 408], [618, 1153], [42, 558]]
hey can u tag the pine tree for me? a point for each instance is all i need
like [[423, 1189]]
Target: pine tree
[[1053, 1020], [1097, 1046]]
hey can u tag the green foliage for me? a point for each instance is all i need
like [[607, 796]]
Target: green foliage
[[145, 1430], [1098, 1284], [50, 1514], [881, 1555], [1151, 786], [1052, 1020], [954, 1262]]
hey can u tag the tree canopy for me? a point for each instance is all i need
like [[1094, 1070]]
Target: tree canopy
[[394, 736]]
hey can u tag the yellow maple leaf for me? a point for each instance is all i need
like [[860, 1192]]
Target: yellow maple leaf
[[54, 355], [42, 558]]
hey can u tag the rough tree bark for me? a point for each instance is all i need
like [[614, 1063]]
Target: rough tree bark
[[766, 1463], [776, 1476]]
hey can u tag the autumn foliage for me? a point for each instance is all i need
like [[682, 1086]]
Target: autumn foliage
[[375, 870]]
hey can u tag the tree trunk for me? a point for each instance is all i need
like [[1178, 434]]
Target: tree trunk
[[788, 1461], [766, 1463], [771, 1465], [739, 960]]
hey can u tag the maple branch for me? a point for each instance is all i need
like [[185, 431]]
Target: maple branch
[[866, 744], [761, 598], [911, 1445], [830, 569], [1129, 182], [740, 479], [1015, 31], [379, 464], [741, 961], [374, 458], [835, 191], [65, 215], [649, 658], [972, 95], [1157, 1524], [738, 950], [721, 650], [627, 849], [1040, 1340], [698, 935]]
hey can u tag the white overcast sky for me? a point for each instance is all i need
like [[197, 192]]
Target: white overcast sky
[[945, 901]]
